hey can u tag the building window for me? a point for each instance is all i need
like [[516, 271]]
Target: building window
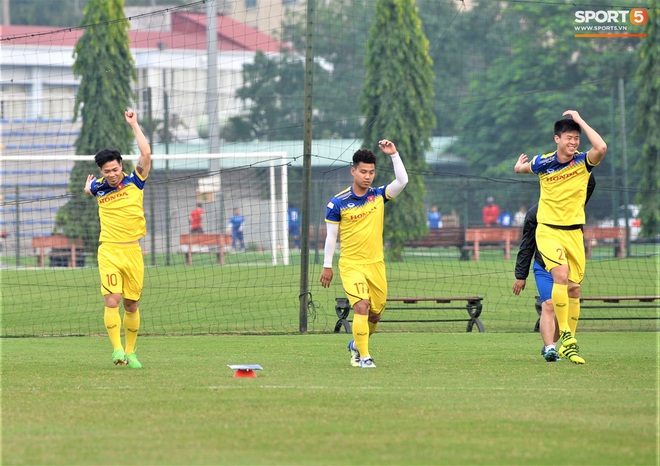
[[250, 4], [289, 2]]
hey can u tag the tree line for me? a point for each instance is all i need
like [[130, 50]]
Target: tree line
[[495, 77]]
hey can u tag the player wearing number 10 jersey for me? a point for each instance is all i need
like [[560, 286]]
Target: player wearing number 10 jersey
[[121, 265], [357, 215]]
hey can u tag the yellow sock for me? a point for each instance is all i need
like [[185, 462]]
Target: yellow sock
[[132, 326], [573, 313], [560, 302], [113, 326], [372, 328], [361, 334]]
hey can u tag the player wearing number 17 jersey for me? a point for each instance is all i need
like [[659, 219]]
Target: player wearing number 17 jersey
[[357, 215], [121, 265], [564, 175]]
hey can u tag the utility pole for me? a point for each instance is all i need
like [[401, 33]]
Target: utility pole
[[6, 20], [307, 166], [166, 137], [611, 155], [212, 77], [212, 102], [624, 164]]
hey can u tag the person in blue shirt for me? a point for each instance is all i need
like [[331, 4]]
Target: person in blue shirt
[[505, 218], [236, 223], [293, 218], [434, 218]]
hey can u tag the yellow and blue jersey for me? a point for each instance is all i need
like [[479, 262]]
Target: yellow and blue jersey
[[121, 209], [360, 220], [563, 188]]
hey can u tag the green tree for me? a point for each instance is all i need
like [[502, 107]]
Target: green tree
[[273, 88], [60, 13], [648, 124], [397, 102], [440, 21], [539, 70], [63, 13], [341, 34], [104, 62], [341, 30]]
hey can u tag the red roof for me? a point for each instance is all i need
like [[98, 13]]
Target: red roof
[[231, 34], [188, 32]]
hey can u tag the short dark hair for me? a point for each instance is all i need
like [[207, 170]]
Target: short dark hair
[[107, 155], [566, 125], [364, 156]]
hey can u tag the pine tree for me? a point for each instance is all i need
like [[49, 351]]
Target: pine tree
[[397, 101], [104, 62]]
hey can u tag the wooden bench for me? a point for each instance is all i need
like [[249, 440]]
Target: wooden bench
[[611, 302], [614, 236], [60, 246], [473, 306], [477, 239], [441, 237], [212, 240]]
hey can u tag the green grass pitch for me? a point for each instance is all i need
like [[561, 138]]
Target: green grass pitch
[[433, 399]]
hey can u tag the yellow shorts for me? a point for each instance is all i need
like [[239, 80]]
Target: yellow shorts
[[365, 281], [562, 247], [121, 267]]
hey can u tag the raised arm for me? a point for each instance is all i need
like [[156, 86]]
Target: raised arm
[[144, 161], [523, 165], [599, 147], [400, 173], [88, 184]]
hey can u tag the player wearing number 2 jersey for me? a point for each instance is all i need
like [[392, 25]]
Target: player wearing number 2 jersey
[[121, 265], [564, 175], [357, 215]]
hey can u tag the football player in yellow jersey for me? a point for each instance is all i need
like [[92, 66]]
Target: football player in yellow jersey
[[357, 215], [121, 265], [564, 175]]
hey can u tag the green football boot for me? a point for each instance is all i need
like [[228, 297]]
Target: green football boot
[[133, 362], [119, 357]]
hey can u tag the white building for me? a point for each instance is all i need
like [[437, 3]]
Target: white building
[[170, 53]]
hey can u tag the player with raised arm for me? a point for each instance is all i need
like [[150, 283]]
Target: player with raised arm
[[121, 265], [357, 215], [564, 175]]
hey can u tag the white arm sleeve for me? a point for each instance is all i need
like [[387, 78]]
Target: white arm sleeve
[[396, 186], [330, 244]]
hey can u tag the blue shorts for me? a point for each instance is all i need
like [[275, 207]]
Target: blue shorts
[[543, 282]]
